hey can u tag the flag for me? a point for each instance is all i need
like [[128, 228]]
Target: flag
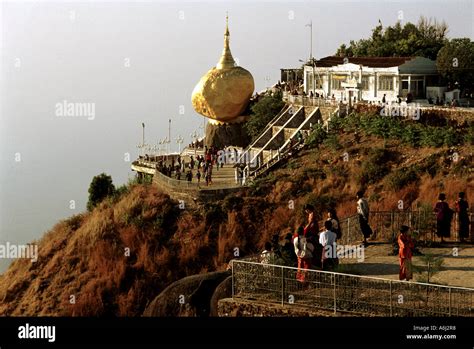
[[143, 124]]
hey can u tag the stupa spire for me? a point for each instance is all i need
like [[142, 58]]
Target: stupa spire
[[226, 60]]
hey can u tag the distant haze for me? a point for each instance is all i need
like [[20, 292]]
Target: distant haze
[[134, 62]]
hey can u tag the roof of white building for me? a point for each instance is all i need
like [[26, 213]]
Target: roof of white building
[[406, 65]]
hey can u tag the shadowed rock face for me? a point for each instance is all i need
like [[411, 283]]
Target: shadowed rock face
[[225, 135], [190, 296], [224, 290]]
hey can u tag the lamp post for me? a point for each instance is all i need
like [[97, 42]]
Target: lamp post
[[310, 25], [202, 130], [267, 80], [194, 136], [179, 141], [167, 142], [169, 135], [161, 143]]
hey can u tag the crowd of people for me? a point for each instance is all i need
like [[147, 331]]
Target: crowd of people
[[307, 247], [200, 167], [311, 248]]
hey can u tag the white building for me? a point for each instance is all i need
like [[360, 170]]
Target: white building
[[369, 78]]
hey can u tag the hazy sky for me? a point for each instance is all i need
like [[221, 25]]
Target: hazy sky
[[139, 62]]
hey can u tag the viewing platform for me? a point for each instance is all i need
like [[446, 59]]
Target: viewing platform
[[223, 179]]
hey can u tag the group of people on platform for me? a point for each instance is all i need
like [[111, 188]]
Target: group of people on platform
[[307, 248], [310, 248], [199, 167]]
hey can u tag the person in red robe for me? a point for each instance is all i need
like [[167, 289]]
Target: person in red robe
[[311, 233], [405, 253]]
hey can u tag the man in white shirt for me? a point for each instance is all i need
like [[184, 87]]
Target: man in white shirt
[[328, 240]]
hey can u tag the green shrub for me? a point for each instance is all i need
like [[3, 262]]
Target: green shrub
[[411, 132], [332, 142], [469, 136], [317, 136], [431, 265], [401, 177], [120, 191], [411, 135], [375, 167], [100, 188], [432, 137], [452, 137], [262, 112]]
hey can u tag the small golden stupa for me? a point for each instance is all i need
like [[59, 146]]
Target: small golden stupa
[[223, 93]]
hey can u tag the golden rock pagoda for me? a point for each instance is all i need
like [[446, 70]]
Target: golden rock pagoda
[[223, 93]]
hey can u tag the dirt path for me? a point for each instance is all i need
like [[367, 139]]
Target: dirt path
[[456, 271]]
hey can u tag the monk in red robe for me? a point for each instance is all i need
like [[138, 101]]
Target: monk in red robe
[[405, 253]]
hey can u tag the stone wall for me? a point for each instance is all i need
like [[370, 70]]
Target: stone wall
[[229, 307]]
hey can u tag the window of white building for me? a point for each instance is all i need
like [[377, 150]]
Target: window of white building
[[385, 83], [336, 83], [365, 82]]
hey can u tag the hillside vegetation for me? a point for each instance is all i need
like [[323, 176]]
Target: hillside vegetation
[[115, 259]]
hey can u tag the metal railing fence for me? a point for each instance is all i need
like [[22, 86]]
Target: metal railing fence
[[344, 293]]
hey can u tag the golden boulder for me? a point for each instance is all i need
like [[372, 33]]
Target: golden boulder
[[224, 92]]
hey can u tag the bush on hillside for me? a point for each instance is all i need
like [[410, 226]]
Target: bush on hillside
[[262, 112], [317, 136], [401, 177], [100, 187], [375, 167]]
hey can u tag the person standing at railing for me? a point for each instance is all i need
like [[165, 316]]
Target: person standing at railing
[[444, 216], [304, 252], [363, 211], [336, 228], [462, 208], [288, 252], [327, 239], [311, 233], [189, 176], [198, 176], [405, 253], [267, 254]]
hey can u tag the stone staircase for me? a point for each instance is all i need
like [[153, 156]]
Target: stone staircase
[[280, 139]]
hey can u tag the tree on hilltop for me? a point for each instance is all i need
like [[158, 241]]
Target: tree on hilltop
[[100, 187]]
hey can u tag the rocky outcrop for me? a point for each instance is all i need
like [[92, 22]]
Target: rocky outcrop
[[190, 296], [221, 136], [224, 290]]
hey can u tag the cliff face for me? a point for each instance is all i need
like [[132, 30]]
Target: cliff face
[[116, 259]]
